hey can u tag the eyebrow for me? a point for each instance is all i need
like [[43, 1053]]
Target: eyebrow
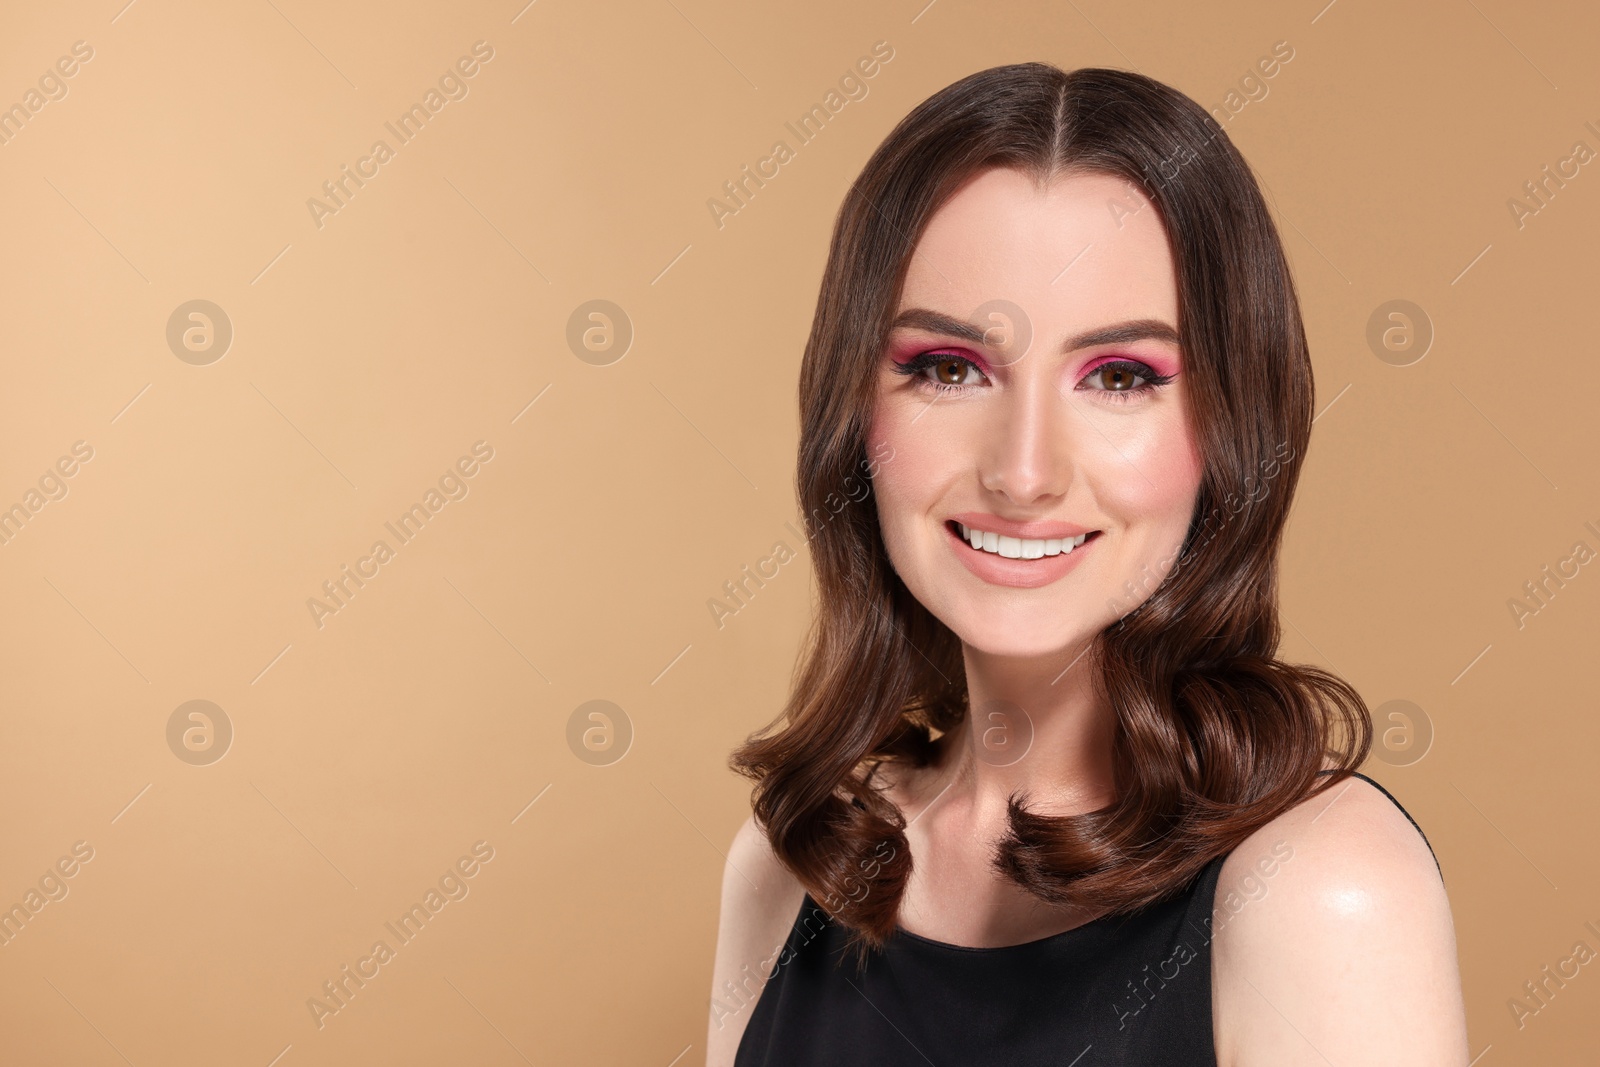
[[1116, 333]]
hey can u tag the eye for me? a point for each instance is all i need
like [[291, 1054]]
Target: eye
[[951, 373], [1116, 378]]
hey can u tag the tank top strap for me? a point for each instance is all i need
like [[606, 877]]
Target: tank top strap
[[1356, 774], [1403, 811]]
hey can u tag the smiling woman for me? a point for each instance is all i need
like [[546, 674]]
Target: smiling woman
[[1016, 782], [1103, 410]]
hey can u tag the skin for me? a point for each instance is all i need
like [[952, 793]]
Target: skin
[[1346, 952]]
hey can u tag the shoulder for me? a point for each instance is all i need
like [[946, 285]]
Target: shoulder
[[1333, 941], [760, 898]]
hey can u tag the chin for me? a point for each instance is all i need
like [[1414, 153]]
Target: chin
[[1025, 634]]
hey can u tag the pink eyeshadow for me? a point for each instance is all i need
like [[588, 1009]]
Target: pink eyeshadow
[[1161, 366], [905, 352]]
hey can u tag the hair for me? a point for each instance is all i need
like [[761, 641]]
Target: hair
[[1214, 736]]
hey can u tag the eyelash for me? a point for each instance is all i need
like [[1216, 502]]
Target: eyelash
[[924, 360]]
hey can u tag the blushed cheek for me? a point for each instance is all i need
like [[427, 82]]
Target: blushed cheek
[[907, 485], [894, 476], [880, 437], [1158, 481]]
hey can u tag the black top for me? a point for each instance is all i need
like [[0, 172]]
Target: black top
[[1121, 989]]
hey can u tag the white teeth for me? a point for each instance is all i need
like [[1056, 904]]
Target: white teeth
[[1016, 547]]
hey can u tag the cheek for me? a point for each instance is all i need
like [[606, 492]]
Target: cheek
[[909, 483], [889, 479], [1155, 476]]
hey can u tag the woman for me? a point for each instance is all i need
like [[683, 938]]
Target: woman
[[1041, 769]]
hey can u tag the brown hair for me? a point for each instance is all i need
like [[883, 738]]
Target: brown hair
[[1214, 736]]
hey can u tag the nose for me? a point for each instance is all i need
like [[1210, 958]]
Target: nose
[[1027, 452]]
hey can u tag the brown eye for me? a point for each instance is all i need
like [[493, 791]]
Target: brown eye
[[942, 372], [1117, 377], [952, 371]]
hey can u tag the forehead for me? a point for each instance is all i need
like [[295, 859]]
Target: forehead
[[1088, 248]]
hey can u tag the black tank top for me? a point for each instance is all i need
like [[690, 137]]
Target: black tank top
[[1121, 989]]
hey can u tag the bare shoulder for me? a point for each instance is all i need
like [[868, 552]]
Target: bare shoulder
[[1333, 941], [760, 899]]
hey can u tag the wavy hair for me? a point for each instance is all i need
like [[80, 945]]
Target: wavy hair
[[1214, 736]]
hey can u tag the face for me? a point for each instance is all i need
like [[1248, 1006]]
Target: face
[[1032, 393]]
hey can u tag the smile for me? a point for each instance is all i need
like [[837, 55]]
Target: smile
[[1018, 547]]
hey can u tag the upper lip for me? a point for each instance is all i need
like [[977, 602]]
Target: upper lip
[[1038, 530]]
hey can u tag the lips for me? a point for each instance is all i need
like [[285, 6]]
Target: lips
[[1020, 573], [1017, 547], [1037, 529]]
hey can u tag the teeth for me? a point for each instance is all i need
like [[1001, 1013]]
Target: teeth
[[1018, 548]]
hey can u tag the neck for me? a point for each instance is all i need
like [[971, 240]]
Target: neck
[[1037, 726]]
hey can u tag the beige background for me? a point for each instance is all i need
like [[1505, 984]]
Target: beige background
[[431, 310]]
